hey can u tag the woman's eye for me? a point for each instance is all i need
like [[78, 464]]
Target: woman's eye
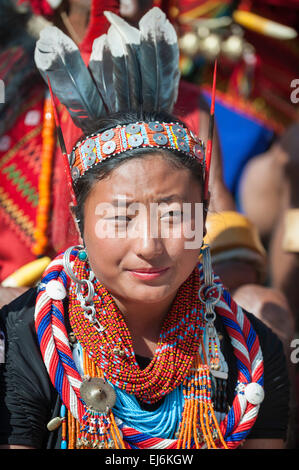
[[172, 214], [119, 218], [122, 218]]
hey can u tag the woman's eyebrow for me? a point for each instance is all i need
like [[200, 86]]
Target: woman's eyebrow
[[125, 201], [172, 198]]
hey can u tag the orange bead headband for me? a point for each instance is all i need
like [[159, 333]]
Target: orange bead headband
[[98, 147]]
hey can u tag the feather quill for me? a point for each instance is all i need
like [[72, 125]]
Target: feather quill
[[101, 68], [211, 132], [124, 42], [57, 57], [159, 58]]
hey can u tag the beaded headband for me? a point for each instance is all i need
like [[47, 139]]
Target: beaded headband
[[97, 147]]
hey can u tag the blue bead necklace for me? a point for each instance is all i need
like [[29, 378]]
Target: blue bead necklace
[[162, 422]]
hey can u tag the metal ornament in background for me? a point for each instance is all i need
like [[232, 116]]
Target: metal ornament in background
[[212, 342], [213, 38], [86, 302]]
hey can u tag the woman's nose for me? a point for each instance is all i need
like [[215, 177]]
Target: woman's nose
[[149, 247], [148, 242]]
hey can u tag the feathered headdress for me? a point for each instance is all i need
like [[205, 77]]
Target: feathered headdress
[[130, 69]]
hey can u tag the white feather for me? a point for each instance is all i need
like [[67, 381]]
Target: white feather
[[159, 56], [101, 68], [124, 43]]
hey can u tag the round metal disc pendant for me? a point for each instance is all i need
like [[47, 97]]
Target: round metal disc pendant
[[88, 146], [90, 158], [75, 173], [155, 126], [107, 135], [198, 151], [97, 394], [135, 140], [160, 139], [132, 128], [182, 145], [109, 147]]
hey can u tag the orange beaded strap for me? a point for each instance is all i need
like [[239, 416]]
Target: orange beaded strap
[[199, 421], [44, 184]]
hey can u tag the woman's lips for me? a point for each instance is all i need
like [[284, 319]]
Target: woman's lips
[[151, 273]]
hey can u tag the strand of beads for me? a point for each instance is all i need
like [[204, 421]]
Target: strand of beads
[[64, 427], [213, 352], [205, 401], [163, 422], [199, 426], [72, 424], [97, 431]]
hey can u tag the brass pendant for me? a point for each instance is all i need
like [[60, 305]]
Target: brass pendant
[[97, 394], [54, 423]]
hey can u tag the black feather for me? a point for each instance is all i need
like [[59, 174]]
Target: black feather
[[57, 56], [159, 58], [101, 68], [124, 43]]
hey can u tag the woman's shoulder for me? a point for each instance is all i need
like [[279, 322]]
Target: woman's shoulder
[[271, 345], [19, 313], [27, 396], [273, 418]]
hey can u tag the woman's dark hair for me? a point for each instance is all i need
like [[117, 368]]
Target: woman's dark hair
[[84, 184]]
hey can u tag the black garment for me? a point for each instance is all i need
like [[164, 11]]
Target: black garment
[[28, 399]]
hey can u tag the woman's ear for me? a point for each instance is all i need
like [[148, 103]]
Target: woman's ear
[[73, 210]]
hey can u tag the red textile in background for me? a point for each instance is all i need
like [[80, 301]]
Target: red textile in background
[[14, 211], [98, 23], [20, 150], [13, 252], [187, 105]]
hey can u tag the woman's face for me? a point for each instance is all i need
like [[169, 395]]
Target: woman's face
[[139, 225]]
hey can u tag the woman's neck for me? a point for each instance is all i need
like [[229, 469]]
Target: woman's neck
[[77, 19]]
